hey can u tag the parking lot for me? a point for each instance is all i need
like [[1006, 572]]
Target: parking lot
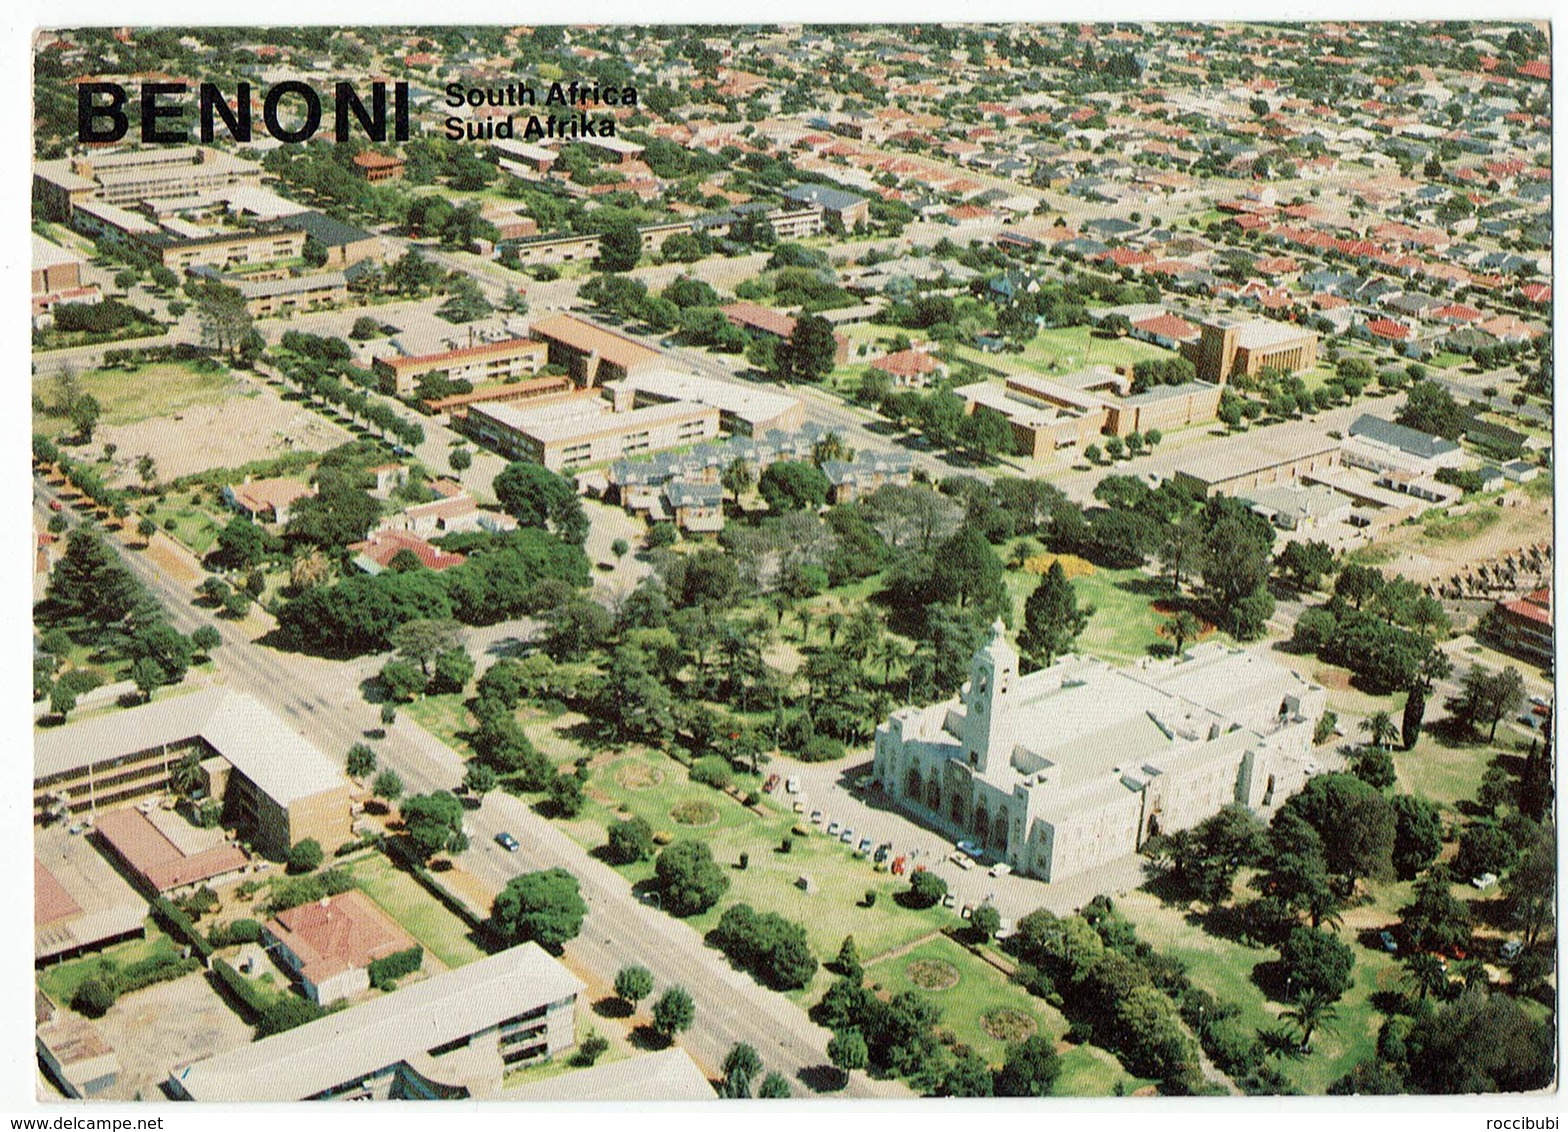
[[868, 813]]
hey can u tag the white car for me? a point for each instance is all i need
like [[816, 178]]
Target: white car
[[1001, 869], [792, 785]]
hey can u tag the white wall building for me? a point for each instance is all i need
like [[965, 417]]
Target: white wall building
[[1077, 764]]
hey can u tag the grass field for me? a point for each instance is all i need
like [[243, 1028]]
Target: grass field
[[1068, 349], [157, 390], [1442, 775], [980, 990], [1224, 967], [193, 527], [1123, 624], [400, 896], [1439, 527], [60, 981]]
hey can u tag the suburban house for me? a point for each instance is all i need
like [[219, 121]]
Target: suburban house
[[329, 944]]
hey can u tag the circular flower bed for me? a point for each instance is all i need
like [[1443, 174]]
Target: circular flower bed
[[932, 974], [1007, 1025], [695, 812], [636, 775]]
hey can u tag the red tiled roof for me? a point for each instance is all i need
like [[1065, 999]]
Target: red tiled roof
[[906, 363], [338, 933], [383, 546], [1167, 326], [1388, 328], [160, 862], [51, 902]]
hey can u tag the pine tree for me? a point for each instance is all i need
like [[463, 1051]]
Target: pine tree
[[848, 961], [1052, 619]]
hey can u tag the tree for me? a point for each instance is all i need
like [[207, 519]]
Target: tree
[[630, 841], [62, 700], [633, 984], [387, 786], [792, 485], [1480, 1043], [741, 1066], [1355, 822], [673, 1013], [401, 680], [810, 349], [1436, 920], [361, 761], [453, 670], [1485, 847], [1311, 1011], [773, 1087], [847, 964], [738, 477], [620, 246], [1315, 961], [84, 414], [93, 997], [479, 778], [1415, 712], [985, 920], [1418, 835], [1182, 626], [340, 513], [1379, 729], [434, 823], [1427, 972], [146, 675], [537, 497], [306, 857], [1530, 887], [847, 1051], [926, 889], [1052, 619], [425, 638], [1489, 697], [1031, 1069], [968, 573], [565, 794], [205, 639], [543, 906], [689, 878]]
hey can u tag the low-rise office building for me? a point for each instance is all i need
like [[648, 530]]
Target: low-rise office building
[[1226, 346], [744, 410], [504, 361], [1523, 627], [591, 353], [1385, 446], [449, 1037], [1263, 461], [157, 863], [273, 783], [587, 430]]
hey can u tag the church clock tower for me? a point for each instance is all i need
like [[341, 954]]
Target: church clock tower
[[988, 701]]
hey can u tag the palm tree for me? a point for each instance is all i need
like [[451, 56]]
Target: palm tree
[[1312, 1011], [887, 652], [1428, 972], [1380, 729], [805, 613], [186, 776]]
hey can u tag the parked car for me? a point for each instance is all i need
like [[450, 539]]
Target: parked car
[[800, 806], [507, 841], [1001, 869], [897, 867], [771, 784], [969, 847], [816, 817], [833, 829], [882, 853], [1390, 944], [948, 900], [56, 505], [792, 784], [847, 836], [1510, 950], [865, 846], [1484, 881]]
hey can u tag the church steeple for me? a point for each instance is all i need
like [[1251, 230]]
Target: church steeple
[[993, 679]]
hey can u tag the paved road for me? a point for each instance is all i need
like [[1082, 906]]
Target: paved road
[[314, 697]]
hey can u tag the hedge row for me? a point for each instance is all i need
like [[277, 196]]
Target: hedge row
[[254, 1004], [172, 920], [384, 971]]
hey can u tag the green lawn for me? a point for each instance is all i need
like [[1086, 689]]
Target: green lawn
[[159, 389], [421, 915], [1068, 349], [193, 527], [980, 990], [1224, 968], [835, 909], [1123, 625], [60, 981], [1440, 527], [1442, 775]]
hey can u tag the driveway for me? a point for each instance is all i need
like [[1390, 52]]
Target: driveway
[[871, 813]]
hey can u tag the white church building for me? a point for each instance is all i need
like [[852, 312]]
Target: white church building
[[1077, 764]]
